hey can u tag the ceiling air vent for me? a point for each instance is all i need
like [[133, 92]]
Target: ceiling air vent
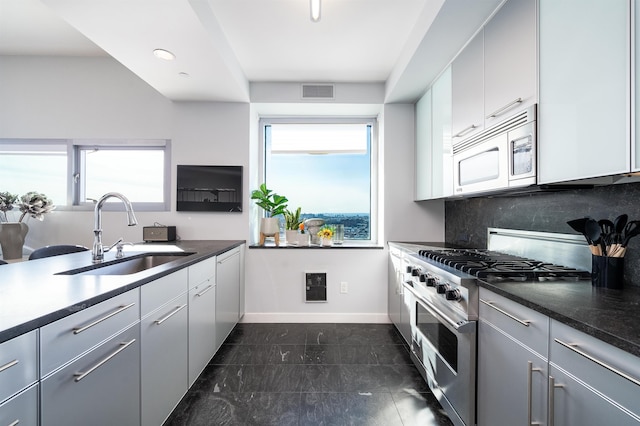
[[317, 91]]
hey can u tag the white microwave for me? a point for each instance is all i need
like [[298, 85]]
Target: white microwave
[[499, 158]]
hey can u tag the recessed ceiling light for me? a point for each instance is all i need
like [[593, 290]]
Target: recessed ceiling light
[[164, 54]]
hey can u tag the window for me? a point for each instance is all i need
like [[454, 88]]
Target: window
[[326, 167], [76, 173]]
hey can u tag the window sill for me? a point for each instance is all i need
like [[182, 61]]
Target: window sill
[[343, 246]]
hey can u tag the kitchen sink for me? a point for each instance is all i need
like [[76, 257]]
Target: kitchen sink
[[128, 265]]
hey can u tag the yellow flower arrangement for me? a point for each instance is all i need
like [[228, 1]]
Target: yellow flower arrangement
[[325, 232]]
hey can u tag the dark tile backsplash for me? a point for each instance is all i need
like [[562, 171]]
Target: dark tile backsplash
[[467, 220]]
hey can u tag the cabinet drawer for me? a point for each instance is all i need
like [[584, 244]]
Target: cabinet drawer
[[18, 364], [612, 371], [65, 339], [520, 322], [160, 291], [202, 271], [22, 409], [101, 388]]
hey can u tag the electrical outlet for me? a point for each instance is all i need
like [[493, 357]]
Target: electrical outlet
[[344, 287]]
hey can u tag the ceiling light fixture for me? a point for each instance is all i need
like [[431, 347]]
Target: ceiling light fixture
[[315, 10], [164, 54]]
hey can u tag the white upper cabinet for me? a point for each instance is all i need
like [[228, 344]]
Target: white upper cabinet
[[467, 90], [424, 125], [442, 164], [433, 161], [583, 118], [510, 71]]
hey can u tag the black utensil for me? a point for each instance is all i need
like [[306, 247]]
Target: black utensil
[[578, 224], [593, 232], [620, 222], [631, 230]]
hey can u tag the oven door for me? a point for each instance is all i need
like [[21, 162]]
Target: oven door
[[482, 166], [447, 353]]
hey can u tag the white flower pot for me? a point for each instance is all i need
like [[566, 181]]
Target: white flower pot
[[269, 226], [303, 240], [292, 237]]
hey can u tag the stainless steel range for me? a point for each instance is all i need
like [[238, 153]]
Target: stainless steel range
[[440, 290]]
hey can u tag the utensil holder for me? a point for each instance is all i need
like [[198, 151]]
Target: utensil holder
[[607, 272]]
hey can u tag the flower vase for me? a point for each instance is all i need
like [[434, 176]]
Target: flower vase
[[327, 242], [292, 237], [303, 240], [12, 236]]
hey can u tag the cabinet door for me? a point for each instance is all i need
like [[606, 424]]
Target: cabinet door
[[441, 151], [22, 409], [202, 327], [164, 360], [100, 388], [227, 294], [423, 159], [467, 88], [18, 364], [510, 71], [511, 378], [584, 112], [576, 403], [394, 286]]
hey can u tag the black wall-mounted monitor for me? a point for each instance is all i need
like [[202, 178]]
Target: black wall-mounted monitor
[[209, 188]]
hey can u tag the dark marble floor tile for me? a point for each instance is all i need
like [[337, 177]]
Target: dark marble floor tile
[[322, 378], [363, 378], [370, 409], [393, 354], [284, 334], [420, 409], [237, 409], [322, 354], [368, 334], [403, 377], [284, 354], [279, 378], [321, 334]]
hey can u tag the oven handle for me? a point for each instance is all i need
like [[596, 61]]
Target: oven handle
[[461, 327]]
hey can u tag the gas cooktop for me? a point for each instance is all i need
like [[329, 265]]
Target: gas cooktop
[[496, 266]]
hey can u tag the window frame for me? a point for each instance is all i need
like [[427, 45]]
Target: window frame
[[73, 179], [375, 167]]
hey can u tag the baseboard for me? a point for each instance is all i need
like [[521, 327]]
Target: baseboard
[[280, 317]]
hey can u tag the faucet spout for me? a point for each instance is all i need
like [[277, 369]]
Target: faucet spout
[[98, 249]]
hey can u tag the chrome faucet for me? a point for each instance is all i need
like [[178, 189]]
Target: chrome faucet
[[98, 249]]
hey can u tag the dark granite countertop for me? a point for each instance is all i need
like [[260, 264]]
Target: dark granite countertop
[[612, 316], [32, 295]]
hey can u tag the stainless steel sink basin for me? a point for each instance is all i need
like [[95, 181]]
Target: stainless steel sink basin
[[128, 265]]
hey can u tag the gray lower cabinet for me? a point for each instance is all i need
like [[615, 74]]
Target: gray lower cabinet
[[227, 293], [101, 387], [164, 356], [21, 409], [512, 363], [399, 301], [18, 364], [591, 382], [202, 316]]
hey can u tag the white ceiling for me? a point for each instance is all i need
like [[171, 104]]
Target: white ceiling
[[224, 44]]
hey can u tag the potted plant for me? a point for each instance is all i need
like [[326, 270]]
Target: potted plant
[[292, 224], [273, 205], [13, 234]]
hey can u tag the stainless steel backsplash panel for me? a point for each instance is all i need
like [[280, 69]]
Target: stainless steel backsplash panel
[[562, 249]]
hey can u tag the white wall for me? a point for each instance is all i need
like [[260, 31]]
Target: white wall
[[98, 98]]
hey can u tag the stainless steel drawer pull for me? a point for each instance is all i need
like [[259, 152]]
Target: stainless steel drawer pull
[[573, 347], [551, 403], [523, 322], [8, 365], [465, 131], [79, 330], [206, 289], [170, 314], [504, 108], [15, 422], [530, 370], [80, 375]]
